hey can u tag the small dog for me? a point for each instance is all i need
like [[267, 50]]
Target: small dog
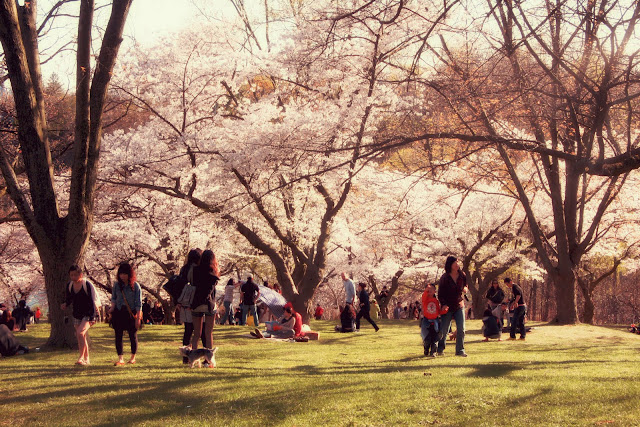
[[196, 356]]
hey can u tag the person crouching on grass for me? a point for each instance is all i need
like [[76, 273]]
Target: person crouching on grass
[[126, 308], [430, 325], [82, 294]]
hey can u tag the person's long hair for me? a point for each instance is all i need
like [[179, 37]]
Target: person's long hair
[[126, 268], [447, 265], [193, 258], [209, 261]]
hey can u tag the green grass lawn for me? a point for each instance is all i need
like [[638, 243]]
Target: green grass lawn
[[561, 375]]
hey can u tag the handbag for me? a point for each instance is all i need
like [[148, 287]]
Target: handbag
[[136, 318]]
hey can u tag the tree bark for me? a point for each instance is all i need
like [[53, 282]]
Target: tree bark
[[565, 293], [60, 240]]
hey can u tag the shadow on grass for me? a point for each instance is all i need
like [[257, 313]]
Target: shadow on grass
[[493, 370], [149, 399]]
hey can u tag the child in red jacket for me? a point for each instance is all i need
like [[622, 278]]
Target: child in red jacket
[[430, 323]]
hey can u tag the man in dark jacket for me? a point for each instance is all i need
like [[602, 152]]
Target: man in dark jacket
[[250, 294], [365, 306], [22, 315]]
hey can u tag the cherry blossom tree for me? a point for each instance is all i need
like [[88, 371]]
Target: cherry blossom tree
[[268, 141]]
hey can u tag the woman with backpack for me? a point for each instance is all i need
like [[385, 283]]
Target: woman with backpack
[[204, 279], [82, 294], [126, 310]]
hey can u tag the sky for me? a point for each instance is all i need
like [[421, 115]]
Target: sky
[[148, 21]]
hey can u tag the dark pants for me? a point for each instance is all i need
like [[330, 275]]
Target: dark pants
[[188, 333], [518, 321], [430, 332], [228, 313], [186, 338], [364, 312], [122, 321]]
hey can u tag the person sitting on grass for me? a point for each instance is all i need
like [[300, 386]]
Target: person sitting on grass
[[6, 318], [491, 328], [283, 328], [9, 345], [347, 319]]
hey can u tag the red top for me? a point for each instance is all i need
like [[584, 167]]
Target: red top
[[319, 311], [431, 306]]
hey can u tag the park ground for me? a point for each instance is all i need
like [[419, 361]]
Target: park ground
[[559, 376]]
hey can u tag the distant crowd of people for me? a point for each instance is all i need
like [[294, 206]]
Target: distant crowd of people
[[16, 320], [194, 294]]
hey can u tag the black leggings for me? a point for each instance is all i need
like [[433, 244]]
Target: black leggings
[[188, 332], [133, 337], [122, 321]]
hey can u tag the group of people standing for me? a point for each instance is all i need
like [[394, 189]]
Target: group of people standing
[[197, 303], [498, 307], [125, 311], [439, 312]]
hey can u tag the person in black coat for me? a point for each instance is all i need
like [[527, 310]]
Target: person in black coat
[[365, 307], [22, 315], [451, 290], [203, 306]]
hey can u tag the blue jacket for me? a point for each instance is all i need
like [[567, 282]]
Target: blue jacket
[[134, 296]]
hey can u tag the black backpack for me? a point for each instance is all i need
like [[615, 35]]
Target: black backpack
[[174, 286]]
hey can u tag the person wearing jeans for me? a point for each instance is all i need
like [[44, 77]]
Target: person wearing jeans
[[458, 317], [451, 288], [518, 322], [228, 299], [246, 309]]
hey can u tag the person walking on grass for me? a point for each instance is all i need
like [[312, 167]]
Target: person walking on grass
[[250, 294], [82, 295], [430, 324], [126, 310], [451, 288], [519, 308], [203, 306], [186, 297], [365, 307], [228, 301]]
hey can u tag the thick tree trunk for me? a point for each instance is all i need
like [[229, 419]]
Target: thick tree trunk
[[56, 276], [566, 304], [589, 308]]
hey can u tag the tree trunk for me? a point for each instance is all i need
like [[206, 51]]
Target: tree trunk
[[56, 276], [61, 240], [589, 308], [565, 290]]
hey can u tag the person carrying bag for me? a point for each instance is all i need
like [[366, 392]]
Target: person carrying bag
[[126, 309]]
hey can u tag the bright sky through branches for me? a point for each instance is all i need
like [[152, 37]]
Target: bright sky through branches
[[148, 21]]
